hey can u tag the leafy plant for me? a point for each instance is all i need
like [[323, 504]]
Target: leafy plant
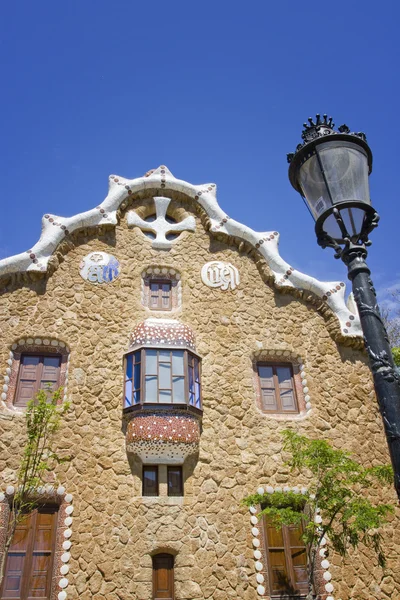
[[335, 505], [43, 420]]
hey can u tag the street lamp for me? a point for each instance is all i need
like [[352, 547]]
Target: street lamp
[[330, 170]]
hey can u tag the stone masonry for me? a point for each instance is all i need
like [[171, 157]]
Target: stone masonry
[[115, 530]]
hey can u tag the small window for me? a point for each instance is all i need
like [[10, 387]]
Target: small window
[[150, 481], [160, 295], [36, 372], [162, 376], [29, 563], [175, 481], [163, 577], [287, 560], [277, 388]]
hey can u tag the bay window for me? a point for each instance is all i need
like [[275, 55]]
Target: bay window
[[162, 376]]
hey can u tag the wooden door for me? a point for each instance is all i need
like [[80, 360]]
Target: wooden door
[[29, 562], [163, 577]]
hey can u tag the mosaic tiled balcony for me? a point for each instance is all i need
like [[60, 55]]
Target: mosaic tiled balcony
[[162, 398]]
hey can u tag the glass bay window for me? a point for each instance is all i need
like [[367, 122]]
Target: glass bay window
[[162, 376]]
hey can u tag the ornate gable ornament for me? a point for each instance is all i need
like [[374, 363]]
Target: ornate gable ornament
[[160, 227], [56, 229]]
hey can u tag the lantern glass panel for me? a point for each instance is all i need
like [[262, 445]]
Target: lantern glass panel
[[336, 172], [346, 170], [313, 186], [353, 221]]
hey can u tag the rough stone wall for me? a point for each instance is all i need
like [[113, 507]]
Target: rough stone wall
[[115, 530]]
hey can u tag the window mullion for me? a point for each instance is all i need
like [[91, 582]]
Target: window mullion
[[186, 375], [158, 376], [142, 376]]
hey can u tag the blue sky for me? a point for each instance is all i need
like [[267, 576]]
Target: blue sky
[[217, 91]]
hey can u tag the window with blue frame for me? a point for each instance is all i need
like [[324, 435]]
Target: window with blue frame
[[162, 376]]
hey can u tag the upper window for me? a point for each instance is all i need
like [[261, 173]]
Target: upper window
[[160, 294], [287, 560], [162, 376], [36, 372], [163, 577], [29, 566], [277, 389]]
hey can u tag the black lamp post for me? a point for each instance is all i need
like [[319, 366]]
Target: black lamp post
[[330, 170]]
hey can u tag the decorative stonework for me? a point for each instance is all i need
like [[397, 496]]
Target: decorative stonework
[[99, 267], [55, 229], [260, 552], [218, 274], [162, 332], [164, 273], [163, 437], [299, 377], [32, 346], [48, 495], [160, 227]]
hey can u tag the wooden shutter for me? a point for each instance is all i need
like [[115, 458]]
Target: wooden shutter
[[29, 565], [286, 392], [28, 377], [175, 481], [160, 295], [50, 373], [36, 372], [267, 387], [163, 577], [287, 559]]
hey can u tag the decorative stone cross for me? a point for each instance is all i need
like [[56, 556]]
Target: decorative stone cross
[[160, 226]]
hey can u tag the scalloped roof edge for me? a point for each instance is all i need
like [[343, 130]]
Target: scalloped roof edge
[[55, 229]]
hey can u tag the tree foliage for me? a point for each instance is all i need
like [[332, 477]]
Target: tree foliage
[[43, 419], [335, 505]]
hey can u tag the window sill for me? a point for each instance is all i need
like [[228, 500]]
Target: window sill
[[163, 500], [148, 406]]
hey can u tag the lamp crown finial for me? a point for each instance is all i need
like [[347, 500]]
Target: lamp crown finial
[[320, 127]]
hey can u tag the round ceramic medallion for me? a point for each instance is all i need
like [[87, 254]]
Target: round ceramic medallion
[[99, 267]]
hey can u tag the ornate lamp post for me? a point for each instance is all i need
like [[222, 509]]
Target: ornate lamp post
[[330, 170]]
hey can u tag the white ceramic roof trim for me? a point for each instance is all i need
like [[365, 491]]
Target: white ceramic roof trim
[[52, 235]]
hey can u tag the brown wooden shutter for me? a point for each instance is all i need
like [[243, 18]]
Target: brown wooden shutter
[[28, 377], [267, 385], [50, 373], [285, 383], [36, 372], [287, 559], [163, 577], [29, 565]]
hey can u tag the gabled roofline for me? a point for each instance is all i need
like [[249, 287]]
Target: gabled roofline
[[56, 229]]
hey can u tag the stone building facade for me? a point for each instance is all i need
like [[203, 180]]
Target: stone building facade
[[158, 292]]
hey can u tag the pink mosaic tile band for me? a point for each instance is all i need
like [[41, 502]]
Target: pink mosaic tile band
[[167, 438], [162, 332]]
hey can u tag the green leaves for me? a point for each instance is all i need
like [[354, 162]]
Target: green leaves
[[337, 504]]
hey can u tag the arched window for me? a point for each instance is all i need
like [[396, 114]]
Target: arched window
[[163, 577]]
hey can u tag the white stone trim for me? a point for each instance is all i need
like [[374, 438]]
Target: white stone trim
[[54, 230], [258, 565]]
